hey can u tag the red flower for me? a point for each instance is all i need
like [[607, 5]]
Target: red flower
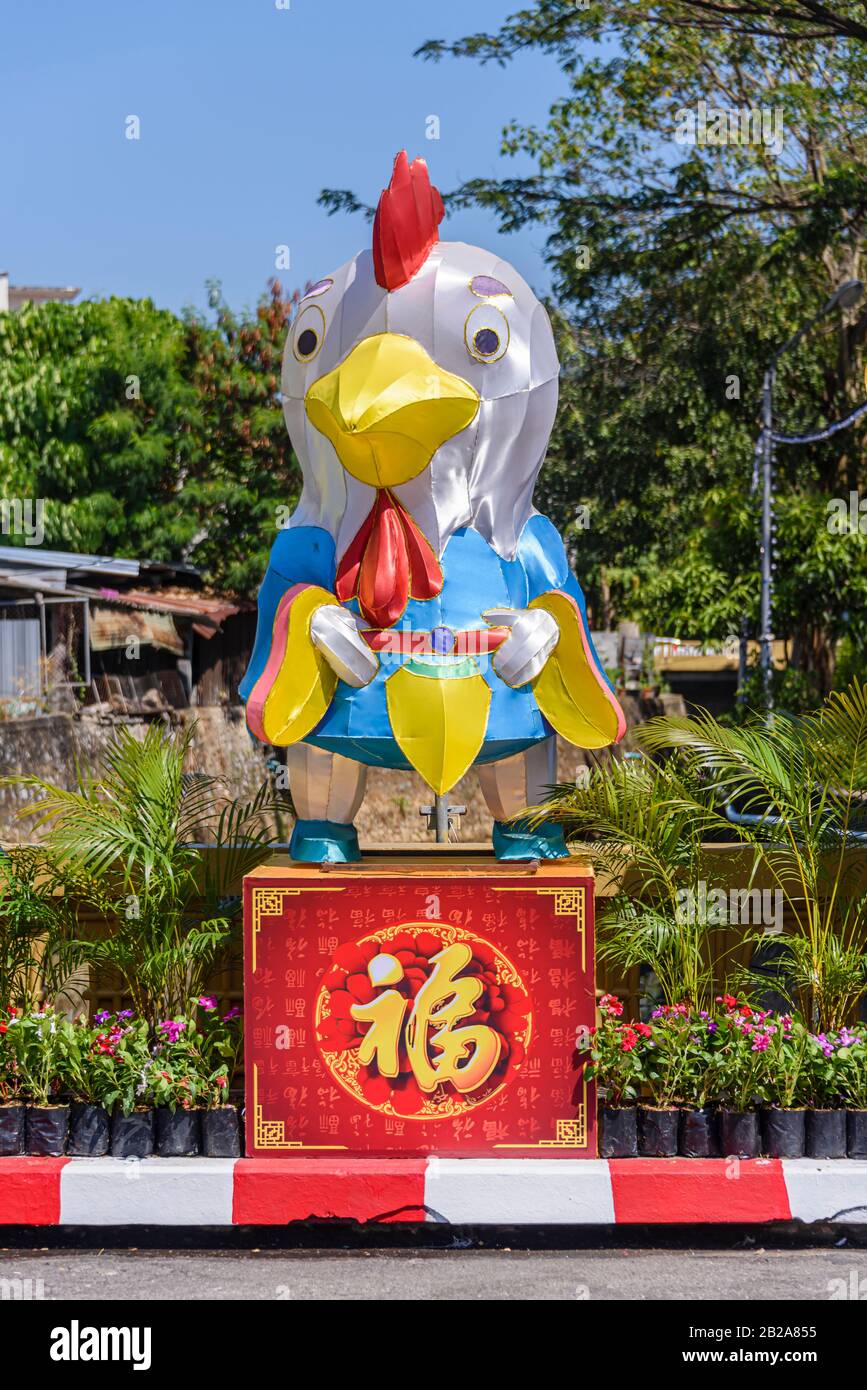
[[628, 1040], [644, 1029], [611, 1005], [746, 1010], [4, 1028]]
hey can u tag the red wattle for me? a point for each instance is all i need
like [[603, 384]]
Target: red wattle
[[386, 563]]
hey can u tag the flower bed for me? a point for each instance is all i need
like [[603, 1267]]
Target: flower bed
[[116, 1085], [732, 1080]]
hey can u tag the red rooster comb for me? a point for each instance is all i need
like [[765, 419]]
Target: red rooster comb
[[405, 227]]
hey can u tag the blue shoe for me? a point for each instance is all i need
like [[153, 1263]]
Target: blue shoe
[[318, 841], [515, 840]]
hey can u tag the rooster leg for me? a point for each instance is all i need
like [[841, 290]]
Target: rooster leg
[[509, 788], [327, 791]]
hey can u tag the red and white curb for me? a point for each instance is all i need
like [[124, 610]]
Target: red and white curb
[[503, 1192]]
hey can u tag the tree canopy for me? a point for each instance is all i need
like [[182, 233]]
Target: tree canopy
[[703, 182], [150, 435]]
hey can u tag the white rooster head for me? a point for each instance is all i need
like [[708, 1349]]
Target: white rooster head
[[424, 367]]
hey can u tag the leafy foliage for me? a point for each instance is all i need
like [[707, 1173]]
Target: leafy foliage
[[682, 267], [797, 789], [129, 847], [148, 435]]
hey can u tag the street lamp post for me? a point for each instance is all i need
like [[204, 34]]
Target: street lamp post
[[846, 296]]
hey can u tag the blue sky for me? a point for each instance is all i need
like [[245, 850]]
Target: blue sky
[[246, 112]]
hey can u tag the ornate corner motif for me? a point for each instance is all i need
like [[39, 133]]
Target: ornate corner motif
[[268, 902], [568, 902], [271, 1134], [568, 1134]]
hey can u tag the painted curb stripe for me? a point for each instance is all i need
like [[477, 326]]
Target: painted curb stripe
[[147, 1192], [30, 1191], [668, 1190], [274, 1191], [519, 1191], [827, 1189], [222, 1192]]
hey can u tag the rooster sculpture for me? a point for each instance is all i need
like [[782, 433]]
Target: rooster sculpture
[[417, 611]]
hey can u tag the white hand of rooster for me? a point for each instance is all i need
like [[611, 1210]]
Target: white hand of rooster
[[333, 630], [534, 635]]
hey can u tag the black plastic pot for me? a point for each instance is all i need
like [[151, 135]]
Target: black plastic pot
[[698, 1133], [657, 1132], [826, 1134], [132, 1136], [47, 1128], [12, 1130], [221, 1136], [856, 1133], [783, 1133], [179, 1133], [89, 1130], [739, 1133]]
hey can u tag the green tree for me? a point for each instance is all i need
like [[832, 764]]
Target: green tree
[[97, 417], [683, 253], [148, 435], [243, 468]]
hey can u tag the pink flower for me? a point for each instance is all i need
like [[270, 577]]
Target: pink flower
[[208, 1002]]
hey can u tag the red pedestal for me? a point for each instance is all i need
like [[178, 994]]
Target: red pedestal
[[434, 1003]]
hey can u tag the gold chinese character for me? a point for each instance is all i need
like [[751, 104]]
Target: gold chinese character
[[466, 1056]]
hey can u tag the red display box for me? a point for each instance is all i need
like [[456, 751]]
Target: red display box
[[434, 1003]]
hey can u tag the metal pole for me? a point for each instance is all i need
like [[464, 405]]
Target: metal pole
[[765, 634], [441, 812]]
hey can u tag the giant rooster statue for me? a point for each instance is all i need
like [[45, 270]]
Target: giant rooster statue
[[417, 611]]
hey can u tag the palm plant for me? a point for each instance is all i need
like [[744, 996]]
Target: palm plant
[[37, 929], [128, 847], [644, 825], [794, 788], [791, 790]]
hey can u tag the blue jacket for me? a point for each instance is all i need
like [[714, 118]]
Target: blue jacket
[[476, 578]]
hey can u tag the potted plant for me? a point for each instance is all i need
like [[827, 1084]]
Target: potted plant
[[784, 1115], [176, 1086], [616, 1061], [219, 1040], [826, 1120], [852, 1066], [12, 1108], [90, 1076], [738, 1070], [132, 1120], [698, 1130], [664, 1060], [36, 1038]]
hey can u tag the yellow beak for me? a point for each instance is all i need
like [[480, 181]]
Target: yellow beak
[[388, 407]]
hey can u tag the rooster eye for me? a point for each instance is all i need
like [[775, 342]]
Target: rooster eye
[[486, 342], [486, 333], [309, 333]]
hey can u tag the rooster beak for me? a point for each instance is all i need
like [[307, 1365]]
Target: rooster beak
[[388, 407]]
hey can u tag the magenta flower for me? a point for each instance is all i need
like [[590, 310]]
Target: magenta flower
[[208, 1002], [760, 1042], [171, 1029], [102, 1016], [234, 1012]]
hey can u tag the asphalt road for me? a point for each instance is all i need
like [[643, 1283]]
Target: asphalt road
[[471, 1275]]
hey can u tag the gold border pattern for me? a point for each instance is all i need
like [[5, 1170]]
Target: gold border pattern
[[268, 902], [271, 1134]]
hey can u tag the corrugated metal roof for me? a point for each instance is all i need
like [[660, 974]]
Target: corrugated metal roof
[[207, 613], [26, 555]]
